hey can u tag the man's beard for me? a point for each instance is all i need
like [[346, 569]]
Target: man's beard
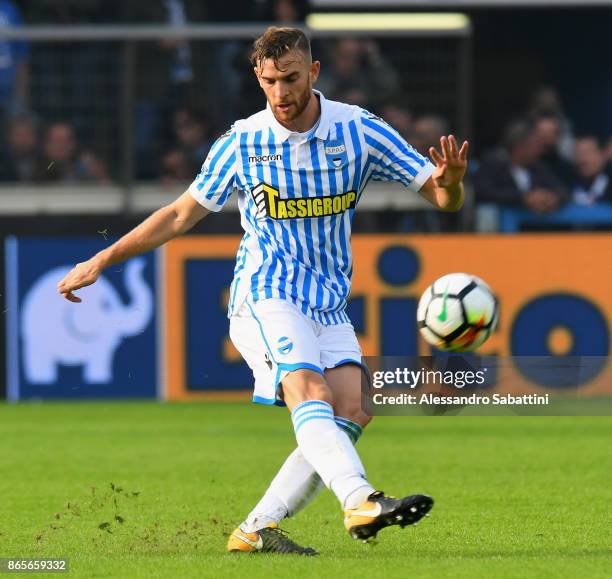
[[296, 108], [301, 103]]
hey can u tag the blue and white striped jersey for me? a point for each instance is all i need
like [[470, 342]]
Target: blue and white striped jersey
[[297, 193]]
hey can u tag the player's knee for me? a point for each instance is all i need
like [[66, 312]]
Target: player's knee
[[302, 385]]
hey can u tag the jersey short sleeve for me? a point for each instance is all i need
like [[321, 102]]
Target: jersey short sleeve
[[391, 157], [217, 178]]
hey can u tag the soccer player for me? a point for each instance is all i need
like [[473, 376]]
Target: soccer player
[[299, 168]]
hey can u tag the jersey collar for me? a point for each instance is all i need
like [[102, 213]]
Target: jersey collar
[[322, 131]]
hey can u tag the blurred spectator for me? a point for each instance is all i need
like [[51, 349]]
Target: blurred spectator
[[427, 132], [593, 182], [65, 162], [357, 73], [175, 169], [515, 176], [21, 159], [258, 11], [398, 116], [546, 102], [285, 11], [14, 67], [165, 75], [281, 11], [548, 131], [609, 150], [77, 80], [192, 137], [71, 11], [235, 11]]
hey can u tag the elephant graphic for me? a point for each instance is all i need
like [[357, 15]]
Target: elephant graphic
[[57, 332]]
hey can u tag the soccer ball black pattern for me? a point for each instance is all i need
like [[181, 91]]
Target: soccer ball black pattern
[[457, 313]]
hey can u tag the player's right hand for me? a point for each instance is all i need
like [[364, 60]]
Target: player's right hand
[[81, 275], [451, 163]]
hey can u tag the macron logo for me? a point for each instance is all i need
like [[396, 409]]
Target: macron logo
[[265, 158]]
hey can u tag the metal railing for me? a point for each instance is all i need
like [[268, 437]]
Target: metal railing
[[107, 65]]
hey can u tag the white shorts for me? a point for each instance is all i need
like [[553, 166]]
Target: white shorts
[[275, 338]]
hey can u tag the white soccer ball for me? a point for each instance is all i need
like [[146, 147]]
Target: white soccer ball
[[457, 313]]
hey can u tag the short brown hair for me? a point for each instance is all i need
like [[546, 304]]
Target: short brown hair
[[276, 42]]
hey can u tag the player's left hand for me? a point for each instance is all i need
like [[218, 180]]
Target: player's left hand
[[451, 163]]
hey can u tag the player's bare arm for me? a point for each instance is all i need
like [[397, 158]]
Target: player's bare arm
[[444, 188], [166, 223]]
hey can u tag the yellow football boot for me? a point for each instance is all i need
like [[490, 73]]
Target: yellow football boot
[[270, 539]]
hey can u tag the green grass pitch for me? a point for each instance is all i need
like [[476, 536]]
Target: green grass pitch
[[152, 490]]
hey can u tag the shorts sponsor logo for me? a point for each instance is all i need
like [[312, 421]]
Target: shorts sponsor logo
[[270, 204], [285, 345]]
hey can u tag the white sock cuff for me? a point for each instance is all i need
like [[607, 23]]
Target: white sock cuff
[[311, 410]]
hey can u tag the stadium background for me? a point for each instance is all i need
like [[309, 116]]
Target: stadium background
[[102, 124], [103, 120]]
